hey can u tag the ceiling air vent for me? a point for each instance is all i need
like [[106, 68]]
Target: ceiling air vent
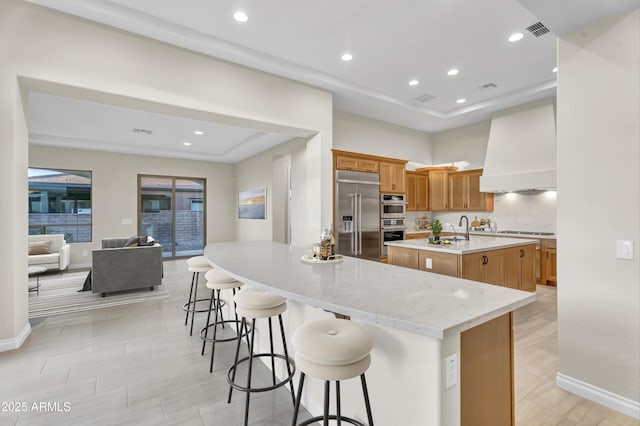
[[143, 131], [538, 29], [488, 86], [424, 98]]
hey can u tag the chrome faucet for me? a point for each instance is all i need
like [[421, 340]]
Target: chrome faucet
[[453, 228], [466, 233]]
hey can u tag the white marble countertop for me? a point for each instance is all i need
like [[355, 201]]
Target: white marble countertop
[[487, 233], [473, 245], [407, 299]]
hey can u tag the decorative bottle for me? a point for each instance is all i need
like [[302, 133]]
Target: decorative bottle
[[325, 244]]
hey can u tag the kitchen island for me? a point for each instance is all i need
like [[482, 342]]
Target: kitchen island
[[419, 323], [508, 262]]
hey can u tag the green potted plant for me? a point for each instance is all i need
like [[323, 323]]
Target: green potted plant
[[436, 229]]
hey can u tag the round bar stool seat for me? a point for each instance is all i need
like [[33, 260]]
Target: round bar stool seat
[[217, 281], [332, 350], [196, 265], [252, 303]]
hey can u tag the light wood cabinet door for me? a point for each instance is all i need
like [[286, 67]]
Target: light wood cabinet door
[[417, 235], [422, 193], [392, 177], [487, 267], [402, 257], [356, 164], [548, 262], [417, 191], [438, 190], [464, 192], [458, 192], [412, 201], [494, 267], [520, 267]]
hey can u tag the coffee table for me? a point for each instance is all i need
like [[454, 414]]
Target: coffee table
[[35, 271]]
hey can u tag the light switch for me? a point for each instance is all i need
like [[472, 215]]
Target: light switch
[[451, 367], [624, 249], [429, 263], [126, 221]]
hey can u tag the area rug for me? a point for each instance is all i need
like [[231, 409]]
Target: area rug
[[59, 295]]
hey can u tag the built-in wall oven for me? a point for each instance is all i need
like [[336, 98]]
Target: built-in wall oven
[[392, 206]]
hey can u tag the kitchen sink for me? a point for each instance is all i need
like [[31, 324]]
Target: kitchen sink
[[456, 238]]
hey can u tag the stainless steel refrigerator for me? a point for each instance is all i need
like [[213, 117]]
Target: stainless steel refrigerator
[[358, 214]]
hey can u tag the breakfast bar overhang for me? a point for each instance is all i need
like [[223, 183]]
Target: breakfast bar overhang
[[443, 346]]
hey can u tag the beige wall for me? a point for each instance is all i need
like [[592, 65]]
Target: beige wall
[[360, 134], [598, 106], [47, 46], [114, 190]]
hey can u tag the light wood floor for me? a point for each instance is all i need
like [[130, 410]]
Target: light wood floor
[[137, 365]]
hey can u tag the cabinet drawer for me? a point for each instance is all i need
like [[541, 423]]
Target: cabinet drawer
[[356, 164], [417, 235]]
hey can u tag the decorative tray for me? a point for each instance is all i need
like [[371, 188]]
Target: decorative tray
[[336, 258]]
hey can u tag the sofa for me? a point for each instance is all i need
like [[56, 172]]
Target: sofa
[[49, 251], [126, 263]]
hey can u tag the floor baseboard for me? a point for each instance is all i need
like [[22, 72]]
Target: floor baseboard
[[611, 400], [15, 342]]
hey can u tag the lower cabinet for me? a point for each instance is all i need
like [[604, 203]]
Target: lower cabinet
[[487, 267], [512, 267], [520, 269], [548, 262]]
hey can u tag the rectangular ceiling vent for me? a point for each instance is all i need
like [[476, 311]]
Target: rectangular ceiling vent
[[538, 29], [488, 86], [142, 131], [424, 98]]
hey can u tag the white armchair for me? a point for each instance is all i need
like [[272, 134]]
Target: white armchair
[[59, 251]]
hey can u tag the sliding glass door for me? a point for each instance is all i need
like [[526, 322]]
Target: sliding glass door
[[173, 210]]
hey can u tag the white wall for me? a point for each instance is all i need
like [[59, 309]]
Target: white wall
[[468, 143], [114, 190], [598, 106], [36, 44], [360, 134]]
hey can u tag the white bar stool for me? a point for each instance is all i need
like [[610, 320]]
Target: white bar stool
[[332, 350], [217, 281], [252, 303], [197, 265]]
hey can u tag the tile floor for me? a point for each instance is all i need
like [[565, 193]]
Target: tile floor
[[137, 365]]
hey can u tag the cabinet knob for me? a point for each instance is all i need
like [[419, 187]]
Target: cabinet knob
[[521, 253]]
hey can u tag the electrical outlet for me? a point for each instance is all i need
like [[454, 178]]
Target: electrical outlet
[[84, 253], [451, 371], [429, 263]]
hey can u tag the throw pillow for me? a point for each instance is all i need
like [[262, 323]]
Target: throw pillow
[[145, 241], [40, 247], [132, 242]]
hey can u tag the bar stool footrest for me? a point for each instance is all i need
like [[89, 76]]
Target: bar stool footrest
[[344, 419], [228, 339], [187, 306], [267, 388]]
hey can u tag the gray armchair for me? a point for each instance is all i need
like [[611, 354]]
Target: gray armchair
[[117, 267]]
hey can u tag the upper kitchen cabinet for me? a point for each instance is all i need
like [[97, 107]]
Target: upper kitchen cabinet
[[417, 191], [357, 162], [438, 187], [392, 176], [464, 192]]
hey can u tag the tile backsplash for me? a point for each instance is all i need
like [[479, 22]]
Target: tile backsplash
[[517, 211]]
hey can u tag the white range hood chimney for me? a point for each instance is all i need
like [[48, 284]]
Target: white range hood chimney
[[521, 153]]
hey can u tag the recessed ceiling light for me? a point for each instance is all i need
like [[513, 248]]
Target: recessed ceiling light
[[453, 71], [461, 101], [555, 69], [413, 82], [240, 16], [347, 57], [515, 37], [186, 143], [198, 132]]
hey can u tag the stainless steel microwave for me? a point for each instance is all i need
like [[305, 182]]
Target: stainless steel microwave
[[392, 206]]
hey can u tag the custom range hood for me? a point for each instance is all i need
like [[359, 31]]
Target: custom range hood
[[521, 153]]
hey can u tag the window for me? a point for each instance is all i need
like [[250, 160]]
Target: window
[[60, 203]]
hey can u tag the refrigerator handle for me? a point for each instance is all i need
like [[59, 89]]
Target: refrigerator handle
[[360, 224], [354, 224]]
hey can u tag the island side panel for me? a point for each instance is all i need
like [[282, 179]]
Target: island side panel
[[405, 379], [486, 371]]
